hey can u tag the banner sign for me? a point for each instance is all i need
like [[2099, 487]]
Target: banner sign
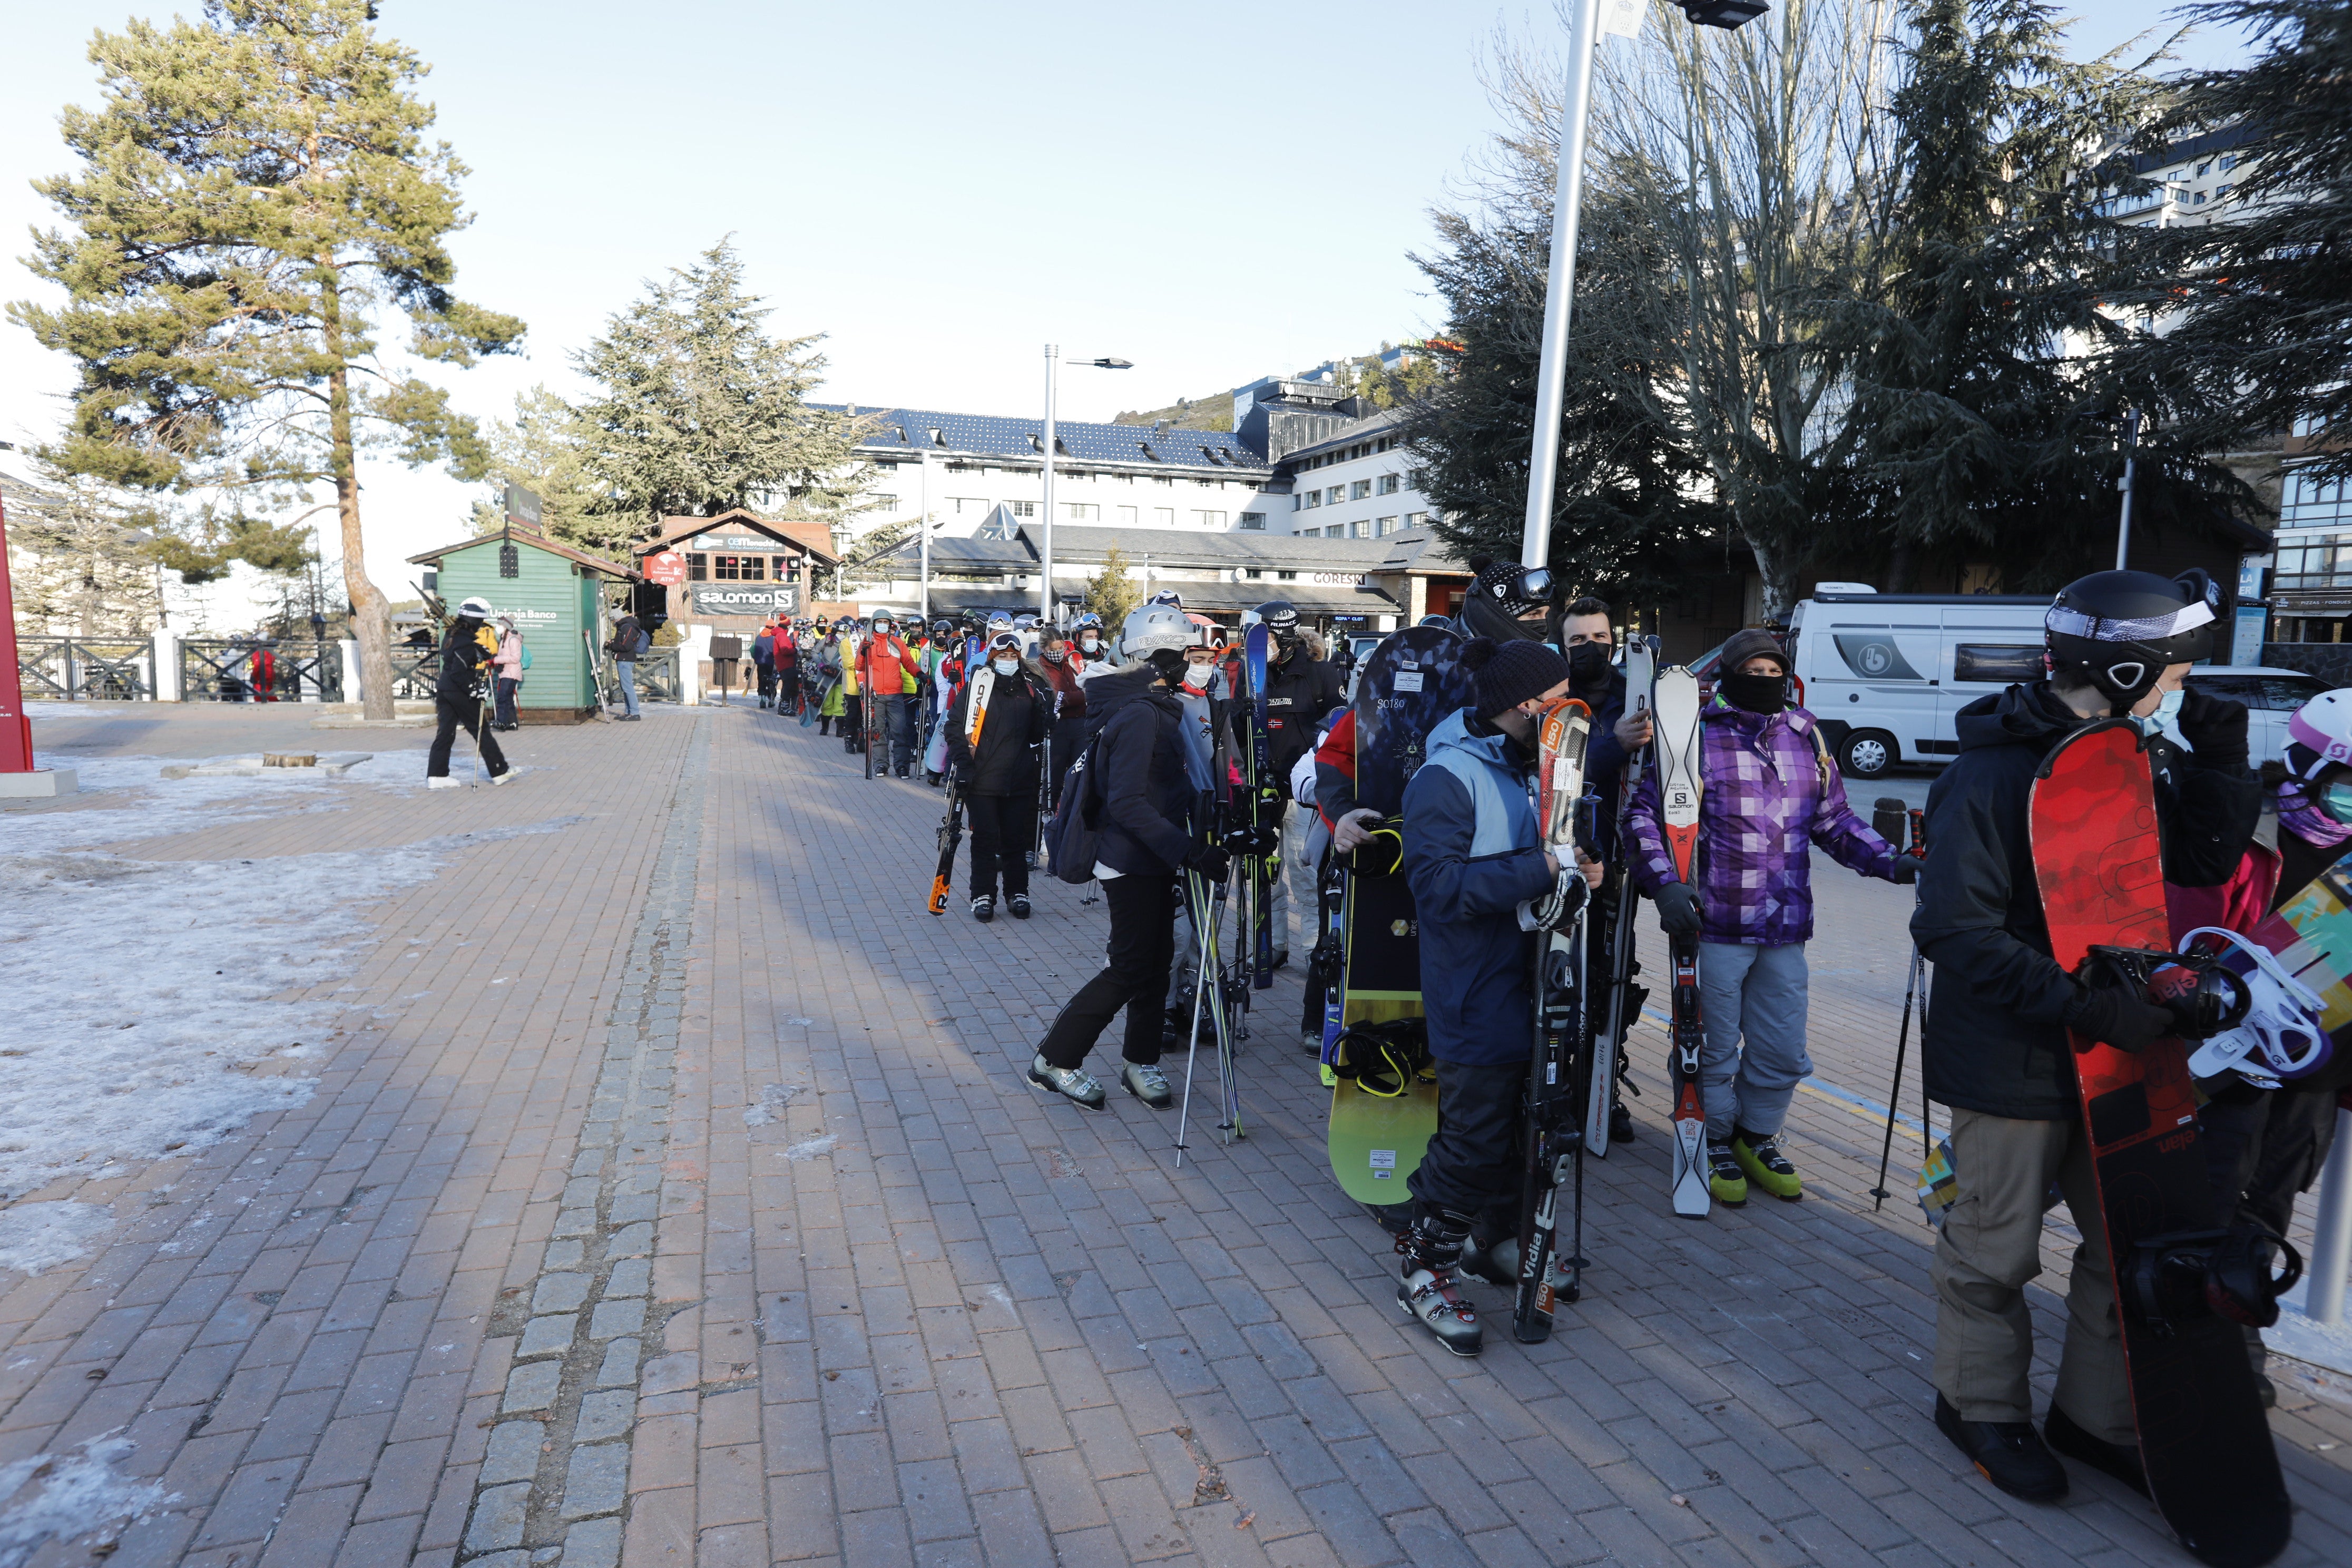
[[668, 568], [522, 506], [745, 598]]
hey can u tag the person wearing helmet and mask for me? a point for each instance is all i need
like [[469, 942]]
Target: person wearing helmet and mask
[[1148, 839], [1059, 668], [1090, 648], [1299, 690], [1995, 1047], [996, 727], [467, 649], [890, 672]]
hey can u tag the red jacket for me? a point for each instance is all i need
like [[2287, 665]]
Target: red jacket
[[885, 663], [1063, 678]]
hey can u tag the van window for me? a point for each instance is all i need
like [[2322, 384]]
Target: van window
[[1997, 663], [1874, 656], [2286, 693]]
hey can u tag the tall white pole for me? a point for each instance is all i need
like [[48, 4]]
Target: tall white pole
[[2331, 1250], [1045, 567], [1551, 378], [2131, 455], [925, 525]]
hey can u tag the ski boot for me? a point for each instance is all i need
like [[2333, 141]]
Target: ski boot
[[1431, 1251], [1018, 903], [983, 908], [1149, 1084], [1621, 1124], [1727, 1182], [1497, 1262], [1761, 1159], [2006, 1453], [1077, 1083], [2120, 1460]]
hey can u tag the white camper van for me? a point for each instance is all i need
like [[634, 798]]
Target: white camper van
[[1886, 673]]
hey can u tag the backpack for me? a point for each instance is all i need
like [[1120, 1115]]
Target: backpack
[[645, 640], [1075, 829], [526, 656]]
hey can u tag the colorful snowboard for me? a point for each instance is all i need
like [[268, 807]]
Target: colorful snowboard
[[1408, 686], [2204, 1443]]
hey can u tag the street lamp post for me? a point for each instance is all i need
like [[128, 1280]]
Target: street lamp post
[[1559, 292], [925, 525], [1045, 566]]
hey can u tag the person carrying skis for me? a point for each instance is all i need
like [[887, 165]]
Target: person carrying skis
[[1767, 794], [996, 725], [1148, 839], [1299, 688], [1059, 670], [467, 649], [1473, 856], [1995, 1049], [888, 672], [1589, 640]]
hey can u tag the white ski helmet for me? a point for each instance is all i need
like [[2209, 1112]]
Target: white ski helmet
[[477, 607], [2321, 728], [1154, 627], [2282, 1037]]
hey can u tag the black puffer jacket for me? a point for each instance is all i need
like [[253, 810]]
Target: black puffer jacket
[[1996, 1037], [1146, 797], [463, 659], [1297, 694], [1020, 710]]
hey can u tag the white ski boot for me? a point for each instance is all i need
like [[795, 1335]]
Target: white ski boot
[[1431, 1252], [1077, 1083], [1148, 1084]]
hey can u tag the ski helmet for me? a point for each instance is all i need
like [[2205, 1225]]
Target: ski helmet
[[475, 608], [1088, 619], [1514, 588], [2119, 630], [1166, 596], [1154, 628], [2320, 734], [1280, 617]]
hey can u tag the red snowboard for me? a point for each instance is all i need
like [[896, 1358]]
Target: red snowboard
[[2204, 1442]]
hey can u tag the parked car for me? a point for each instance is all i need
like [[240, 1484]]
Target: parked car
[[2270, 694]]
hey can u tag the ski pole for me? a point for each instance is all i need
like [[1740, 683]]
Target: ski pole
[[1192, 902], [1893, 819]]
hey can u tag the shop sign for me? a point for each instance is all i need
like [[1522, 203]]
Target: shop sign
[[1337, 579], [746, 598], [668, 568]]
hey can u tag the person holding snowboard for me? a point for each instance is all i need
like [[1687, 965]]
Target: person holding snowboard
[[1300, 687], [467, 650], [996, 725], [1473, 856], [1146, 841], [1995, 1049], [1767, 794]]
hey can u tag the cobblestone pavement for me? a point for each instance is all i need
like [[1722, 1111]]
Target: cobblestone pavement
[[674, 1195]]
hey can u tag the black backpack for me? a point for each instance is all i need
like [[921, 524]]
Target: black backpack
[[1076, 828]]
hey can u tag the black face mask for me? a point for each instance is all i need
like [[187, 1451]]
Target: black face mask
[[1588, 665], [1755, 693]]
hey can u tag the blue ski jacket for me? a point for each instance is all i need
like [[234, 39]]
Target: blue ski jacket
[[1471, 855]]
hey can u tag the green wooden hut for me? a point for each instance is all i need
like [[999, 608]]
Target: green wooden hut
[[556, 596]]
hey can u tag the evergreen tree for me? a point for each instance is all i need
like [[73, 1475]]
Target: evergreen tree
[[1974, 421], [255, 187], [699, 411], [2263, 345], [1111, 592], [541, 449]]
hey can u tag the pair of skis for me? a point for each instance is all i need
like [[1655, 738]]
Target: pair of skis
[[1674, 748], [1626, 998], [1263, 808]]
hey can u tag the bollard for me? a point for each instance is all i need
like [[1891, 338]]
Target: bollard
[[2331, 1246]]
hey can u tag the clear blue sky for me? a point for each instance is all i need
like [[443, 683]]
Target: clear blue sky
[[1216, 192]]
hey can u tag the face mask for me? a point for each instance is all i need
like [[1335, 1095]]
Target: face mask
[[1005, 666], [1587, 663], [1196, 676], [1089, 644], [1054, 656], [1755, 693], [2167, 711]]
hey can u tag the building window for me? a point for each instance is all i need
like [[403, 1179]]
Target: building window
[[1252, 573], [787, 569], [1387, 485], [1355, 531], [1163, 517], [743, 568], [880, 502], [1021, 508], [1383, 528], [1416, 519], [697, 568], [1082, 511], [967, 505], [1126, 517], [2312, 503], [1254, 522], [1312, 498], [1209, 518], [1285, 577], [2222, 195], [1338, 493], [1360, 490], [2197, 200], [2229, 161]]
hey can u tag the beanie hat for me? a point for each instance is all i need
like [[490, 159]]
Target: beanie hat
[[1510, 673], [1753, 642]]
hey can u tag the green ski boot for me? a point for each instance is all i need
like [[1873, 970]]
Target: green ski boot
[[1766, 1167], [1724, 1182]]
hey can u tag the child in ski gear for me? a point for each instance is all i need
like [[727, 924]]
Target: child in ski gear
[[1995, 1046], [1146, 841], [1011, 712], [1767, 794], [1473, 856], [507, 671], [628, 641], [467, 650], [1300, 687]]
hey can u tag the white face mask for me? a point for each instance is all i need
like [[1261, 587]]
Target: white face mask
[[1006, 666], [1090, 643], [1196, 676]]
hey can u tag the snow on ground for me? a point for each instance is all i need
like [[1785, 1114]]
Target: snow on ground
[[84, 710], [58, 1499], [34, 1236], [145, 1015]]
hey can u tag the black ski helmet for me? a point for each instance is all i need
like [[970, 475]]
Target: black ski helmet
[[2119, 630], [1280, 619]]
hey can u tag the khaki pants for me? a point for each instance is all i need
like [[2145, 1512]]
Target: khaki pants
[[1991, 1246]]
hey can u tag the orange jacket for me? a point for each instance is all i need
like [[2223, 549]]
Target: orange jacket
[[887, 666]]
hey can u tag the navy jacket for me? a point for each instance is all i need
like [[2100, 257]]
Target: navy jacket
[[1470, 869], [1145, 795]]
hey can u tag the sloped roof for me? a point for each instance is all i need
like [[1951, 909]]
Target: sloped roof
[[816, 538], [907, 432], [1177, 549], [522, 536]]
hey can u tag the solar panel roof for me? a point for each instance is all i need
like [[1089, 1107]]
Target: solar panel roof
[[908, 431]]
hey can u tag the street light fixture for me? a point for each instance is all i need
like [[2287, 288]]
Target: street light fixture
[[1551, 378], [1045, 566]]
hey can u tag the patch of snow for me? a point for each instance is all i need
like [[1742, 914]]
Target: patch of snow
[[770, 1105], [812, 1148], [34, 1236], [144, 994], [38, 710], [50, 1498]]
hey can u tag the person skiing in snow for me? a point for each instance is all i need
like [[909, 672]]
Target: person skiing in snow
[[999, 771], [1995, 1049], [1767, 794], [467, 649], [1148, 839], [1473, 856]]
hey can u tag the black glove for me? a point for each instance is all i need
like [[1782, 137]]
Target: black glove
[[2118, 1015], [1210, 861], [1251, 841], [1677, 909], [1906, 870], [2215, 728]]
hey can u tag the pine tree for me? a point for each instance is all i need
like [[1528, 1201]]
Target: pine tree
[[255, 189], [543, 450], [1111, 592], [2263, 346], [700, 412]]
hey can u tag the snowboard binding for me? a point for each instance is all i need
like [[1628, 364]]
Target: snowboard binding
[[2204, 997], [2281, 1039], [2186, 1274], [1383, 1058]]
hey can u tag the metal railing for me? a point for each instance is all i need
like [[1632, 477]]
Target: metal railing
[[88, 669], [657, 679], [238, 669]]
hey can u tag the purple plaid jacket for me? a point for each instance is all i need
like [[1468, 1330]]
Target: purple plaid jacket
[[1763, 801]]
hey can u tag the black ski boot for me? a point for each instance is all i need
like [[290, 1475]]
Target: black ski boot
[[1019, 904], [983, 908], [2120, 1460], [2006, 1453], [1621, 1124], [1431, 1251]]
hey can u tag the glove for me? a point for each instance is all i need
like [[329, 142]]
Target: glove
[[1906, 870], [1250, 841], [2215, 728], [2118, 1015], [1210, 861], [1678, 908]]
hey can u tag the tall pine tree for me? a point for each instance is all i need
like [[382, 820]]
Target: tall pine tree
[[254, 188]]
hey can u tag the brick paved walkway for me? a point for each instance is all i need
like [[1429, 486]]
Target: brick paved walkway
[[674, 1196]]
